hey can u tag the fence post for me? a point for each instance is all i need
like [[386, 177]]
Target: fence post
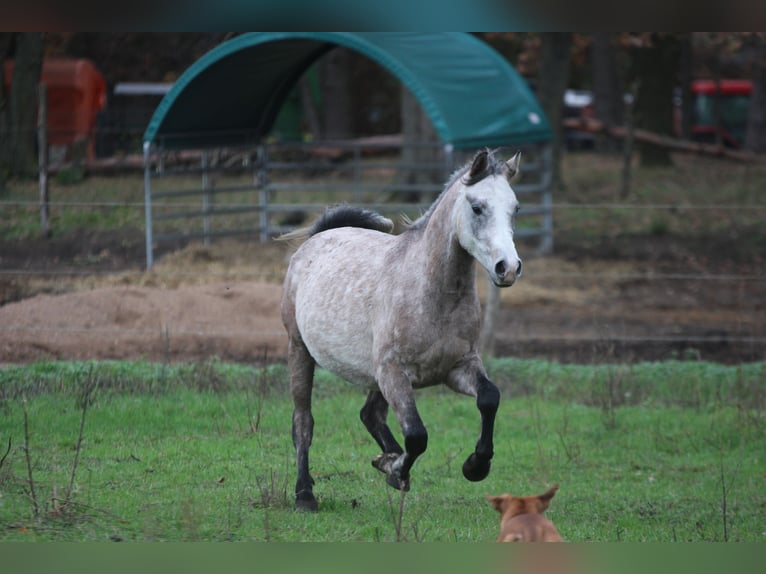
[[206, 198], [357, 173], [148, 205], [449, 160], [263, 192], [546, 243], [42, 156]]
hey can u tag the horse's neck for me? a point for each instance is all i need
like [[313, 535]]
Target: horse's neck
[[450, 269]]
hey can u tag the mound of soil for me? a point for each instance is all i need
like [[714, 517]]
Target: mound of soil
[[237, 321]]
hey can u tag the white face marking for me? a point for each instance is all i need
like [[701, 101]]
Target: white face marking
[[484, 217]]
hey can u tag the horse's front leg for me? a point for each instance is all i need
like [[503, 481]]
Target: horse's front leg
[[475, 383], [396, 390]]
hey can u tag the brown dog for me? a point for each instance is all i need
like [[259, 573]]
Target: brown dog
[[522, 519]]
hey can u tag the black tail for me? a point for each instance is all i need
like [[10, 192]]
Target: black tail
[[348, 216]]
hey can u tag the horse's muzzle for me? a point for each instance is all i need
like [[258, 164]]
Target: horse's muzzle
[[505, 273]]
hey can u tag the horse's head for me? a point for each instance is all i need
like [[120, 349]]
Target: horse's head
[[484, 214]]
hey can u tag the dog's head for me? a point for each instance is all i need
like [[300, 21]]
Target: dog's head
[[508, 505]]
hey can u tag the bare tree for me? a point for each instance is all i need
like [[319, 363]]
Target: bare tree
[[553, 77], [685, 77], [18, 108], [607, 86], [336, 94], [6, 42], [656, 65], [755, 136], [417, 150]]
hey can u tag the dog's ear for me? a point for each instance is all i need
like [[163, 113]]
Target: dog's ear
[[545, 498], [497, 502]]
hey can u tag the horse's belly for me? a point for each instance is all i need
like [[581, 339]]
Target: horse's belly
[[344, 354], [334, 320]]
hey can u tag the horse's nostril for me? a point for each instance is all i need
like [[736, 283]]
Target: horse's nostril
[[500, 268], [518, 269]]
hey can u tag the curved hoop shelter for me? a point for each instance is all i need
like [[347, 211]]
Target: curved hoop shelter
[[232, 94]]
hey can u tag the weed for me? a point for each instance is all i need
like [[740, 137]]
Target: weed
[[189, 520], [659, 226], [396, 512], [27, 455], [571, 449], [272, 491], [71, 175], [5, 455]]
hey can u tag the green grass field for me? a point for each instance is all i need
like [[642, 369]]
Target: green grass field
[[659, 452]]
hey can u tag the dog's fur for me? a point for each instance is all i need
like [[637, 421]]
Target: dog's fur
[[522, 520]]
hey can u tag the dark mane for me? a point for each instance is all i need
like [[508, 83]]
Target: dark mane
[[494, 167]]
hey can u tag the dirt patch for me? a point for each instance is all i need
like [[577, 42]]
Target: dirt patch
[[87, 297], [239, 321]]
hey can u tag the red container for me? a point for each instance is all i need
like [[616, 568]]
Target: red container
[[76, 93]]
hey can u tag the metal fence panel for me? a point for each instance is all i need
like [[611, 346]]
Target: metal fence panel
[[271, 189]]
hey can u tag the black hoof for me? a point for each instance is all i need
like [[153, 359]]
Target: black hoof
[[384, 463], [398, 483], [306, 502], [476, 468]]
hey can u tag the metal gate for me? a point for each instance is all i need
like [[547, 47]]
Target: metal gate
[[263, 191]]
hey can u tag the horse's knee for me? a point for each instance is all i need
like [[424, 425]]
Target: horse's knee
[[416, 440]]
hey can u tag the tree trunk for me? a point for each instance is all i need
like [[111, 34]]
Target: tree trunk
[[685, 110], [419, 147], [553, 77], [336, 94], [310, 109], [6, 42], [607, 89], [755, 136], [19, 156], [656, 69]]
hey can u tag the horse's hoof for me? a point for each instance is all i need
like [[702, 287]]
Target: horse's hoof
[[398, 483], [384, 461], [475, 468], [306, 502]]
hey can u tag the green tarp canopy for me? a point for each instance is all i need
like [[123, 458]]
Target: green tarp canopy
[[232, 94]]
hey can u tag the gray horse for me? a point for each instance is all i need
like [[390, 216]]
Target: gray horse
[[394, 313]]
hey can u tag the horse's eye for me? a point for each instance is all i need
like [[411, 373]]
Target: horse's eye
[[476, 208]]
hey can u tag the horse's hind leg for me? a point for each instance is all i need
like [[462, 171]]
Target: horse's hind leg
[[373, 415], [396, 390], [301, 366]]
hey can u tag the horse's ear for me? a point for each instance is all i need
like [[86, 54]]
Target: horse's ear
[[479, 165], [512, 165]]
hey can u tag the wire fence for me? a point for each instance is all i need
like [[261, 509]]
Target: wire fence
[[545, 276], [554, 205], [744, 326]]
